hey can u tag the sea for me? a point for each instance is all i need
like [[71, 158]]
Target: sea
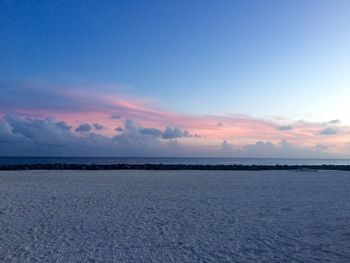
[[171, 160]]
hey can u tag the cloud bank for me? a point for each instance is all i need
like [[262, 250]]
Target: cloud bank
[[40, 120], [38, 137]]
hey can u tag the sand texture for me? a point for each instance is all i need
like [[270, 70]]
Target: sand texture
[[174, 216]]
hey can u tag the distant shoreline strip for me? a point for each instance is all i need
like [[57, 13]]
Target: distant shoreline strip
[[233, 167]]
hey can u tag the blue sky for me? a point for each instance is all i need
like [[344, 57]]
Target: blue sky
[[285, 60]]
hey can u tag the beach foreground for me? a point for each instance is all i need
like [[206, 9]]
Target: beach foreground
[[174, 216]]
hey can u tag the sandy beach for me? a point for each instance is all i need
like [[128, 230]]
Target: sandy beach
[[174, 216]]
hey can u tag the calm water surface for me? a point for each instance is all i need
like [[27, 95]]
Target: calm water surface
[[157, 160]]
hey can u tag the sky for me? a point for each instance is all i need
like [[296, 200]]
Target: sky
[[175, 78]]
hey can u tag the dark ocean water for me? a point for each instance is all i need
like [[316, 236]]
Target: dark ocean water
[[162, 160]]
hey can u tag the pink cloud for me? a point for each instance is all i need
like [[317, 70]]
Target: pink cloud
[[99, 108]]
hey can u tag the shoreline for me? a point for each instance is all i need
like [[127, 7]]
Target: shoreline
[[233, 167]]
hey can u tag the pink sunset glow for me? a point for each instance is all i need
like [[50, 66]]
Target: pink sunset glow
[[212, 130]]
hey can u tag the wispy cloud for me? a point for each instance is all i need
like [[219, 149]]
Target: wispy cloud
[[285, 128], [336, 121], [329, 131]]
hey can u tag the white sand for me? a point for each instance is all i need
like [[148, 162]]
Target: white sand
[[174, 216]]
